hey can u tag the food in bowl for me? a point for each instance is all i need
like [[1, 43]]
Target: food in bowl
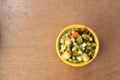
[[77, 45]]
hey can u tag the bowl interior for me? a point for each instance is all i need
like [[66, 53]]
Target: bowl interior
[[69, 28]]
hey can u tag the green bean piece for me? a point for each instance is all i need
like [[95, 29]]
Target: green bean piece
[[79, 40]]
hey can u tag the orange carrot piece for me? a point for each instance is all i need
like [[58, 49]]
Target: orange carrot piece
[[83, 29], [75, 35]]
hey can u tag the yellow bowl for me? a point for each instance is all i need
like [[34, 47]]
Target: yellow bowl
[[69, 28]]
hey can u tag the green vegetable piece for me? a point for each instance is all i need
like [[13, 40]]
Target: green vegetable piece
[[87, 50], [79, 49], [75, 61], [85, 57], [88, 43], [89, 47], [74, 49], [87, 36], [68, 50], [66, 55], [79, 40], [67, 41], [93, 44], [73, 57], [75, 53]]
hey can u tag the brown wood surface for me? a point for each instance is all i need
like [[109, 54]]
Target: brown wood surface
[[28, 32]]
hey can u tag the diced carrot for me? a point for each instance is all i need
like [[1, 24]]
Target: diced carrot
[[83, 29], [74, 35]]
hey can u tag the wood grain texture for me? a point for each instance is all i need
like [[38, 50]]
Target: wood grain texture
[[28, 32]]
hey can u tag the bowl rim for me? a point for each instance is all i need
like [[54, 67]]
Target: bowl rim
[[69, 28]]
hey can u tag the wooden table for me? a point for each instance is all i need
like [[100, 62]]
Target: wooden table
[[28, 32]]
